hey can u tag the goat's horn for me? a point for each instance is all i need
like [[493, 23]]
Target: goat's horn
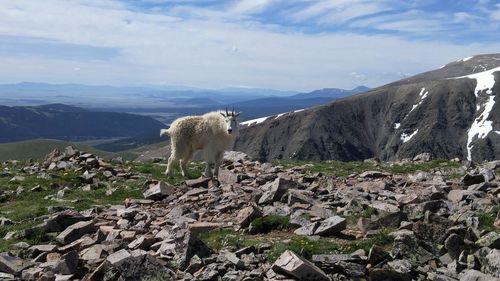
[[232, 112], [227, 113]]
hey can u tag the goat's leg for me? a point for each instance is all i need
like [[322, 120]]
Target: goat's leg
[[218, 162], [170, 166], [208, 170]]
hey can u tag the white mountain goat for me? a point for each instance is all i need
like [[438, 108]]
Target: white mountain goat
[[213, 132]]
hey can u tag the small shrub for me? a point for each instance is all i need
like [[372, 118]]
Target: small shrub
[[302, 246], [269, 223]]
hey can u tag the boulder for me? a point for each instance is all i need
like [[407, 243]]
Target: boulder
[[293, 265], [75, 231], [330, 226], [158, 191], [13, 265]]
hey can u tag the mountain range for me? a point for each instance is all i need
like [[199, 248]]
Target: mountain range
[[63, 122], [448, 112]]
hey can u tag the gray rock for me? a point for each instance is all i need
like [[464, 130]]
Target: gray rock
[[307, 230], [200, 182], [232, 258], [469, 179], [373, 174], [275, 190], [33, 273], [377, 254], [67, 264], [13, 265], [455, 245], [350, 265], [75, 231], [61, 220], [458, 195], [227, 177], [401, 266], [94, 252], [490, 261], [195, 264], [158, 191], [293, 265], [490, 240], [488, 174], [365, 225], [246, 215], [331, 226], [196, 192], [424, 157], [474, 275]]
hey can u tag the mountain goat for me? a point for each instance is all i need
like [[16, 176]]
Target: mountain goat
[[213, 132]]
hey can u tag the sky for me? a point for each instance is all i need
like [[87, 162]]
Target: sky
[[298, 45]]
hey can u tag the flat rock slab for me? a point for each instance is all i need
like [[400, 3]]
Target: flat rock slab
[[75, 231], [200, 182], [158, 191], [293, 265], [13, 265], [330, 226], [276, 189]]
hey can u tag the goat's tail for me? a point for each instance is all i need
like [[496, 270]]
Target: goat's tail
[[164, 132]]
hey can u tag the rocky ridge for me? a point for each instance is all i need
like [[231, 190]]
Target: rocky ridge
[[370, 225], [449, 112]]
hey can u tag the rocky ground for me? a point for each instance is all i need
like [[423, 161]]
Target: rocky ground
[[66, 218]]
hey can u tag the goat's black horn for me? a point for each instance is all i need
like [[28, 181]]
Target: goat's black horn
[[227, 113]]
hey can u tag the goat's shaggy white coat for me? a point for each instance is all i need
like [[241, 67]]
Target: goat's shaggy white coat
[[213, 132]]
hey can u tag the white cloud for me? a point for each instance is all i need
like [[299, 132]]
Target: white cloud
[[210, 50]]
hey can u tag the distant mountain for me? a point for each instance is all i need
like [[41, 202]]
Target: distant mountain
[[92, 96], [272, 105], [449, 112], [333, 93], [57, 121]]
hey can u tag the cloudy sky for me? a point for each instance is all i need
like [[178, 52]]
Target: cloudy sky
[[281, 44]]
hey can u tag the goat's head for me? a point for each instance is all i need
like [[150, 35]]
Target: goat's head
[[231, 121]]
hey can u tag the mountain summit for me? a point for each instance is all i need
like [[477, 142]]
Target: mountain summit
[[449, 112]]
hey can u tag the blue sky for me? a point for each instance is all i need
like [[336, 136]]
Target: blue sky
[[282, 44]]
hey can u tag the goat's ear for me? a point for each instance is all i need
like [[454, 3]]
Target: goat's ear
[[237, 114], [223, 114]]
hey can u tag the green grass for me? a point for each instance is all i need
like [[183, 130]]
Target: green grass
[[303, 246], [426, 166], [337, 168], [269, 223], [33, 235], [157, 172], [221, 238], [28, 205], [487, 218], [380, 239], [343, 169]]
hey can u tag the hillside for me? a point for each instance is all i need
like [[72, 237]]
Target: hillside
[[57, 121], [450, 112], [79, 217], [38, 148]]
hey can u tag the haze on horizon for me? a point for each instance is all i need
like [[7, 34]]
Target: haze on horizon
[[297, 45]]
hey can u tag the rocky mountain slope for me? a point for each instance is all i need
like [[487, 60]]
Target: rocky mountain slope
[[416, 220], [64, 122], [449, 112]]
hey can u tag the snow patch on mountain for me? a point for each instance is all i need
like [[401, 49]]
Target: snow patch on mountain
[[467, 58], [406, 137], [262, 119], [397, 125], [423, 94], [255, 121], [481, 126]]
